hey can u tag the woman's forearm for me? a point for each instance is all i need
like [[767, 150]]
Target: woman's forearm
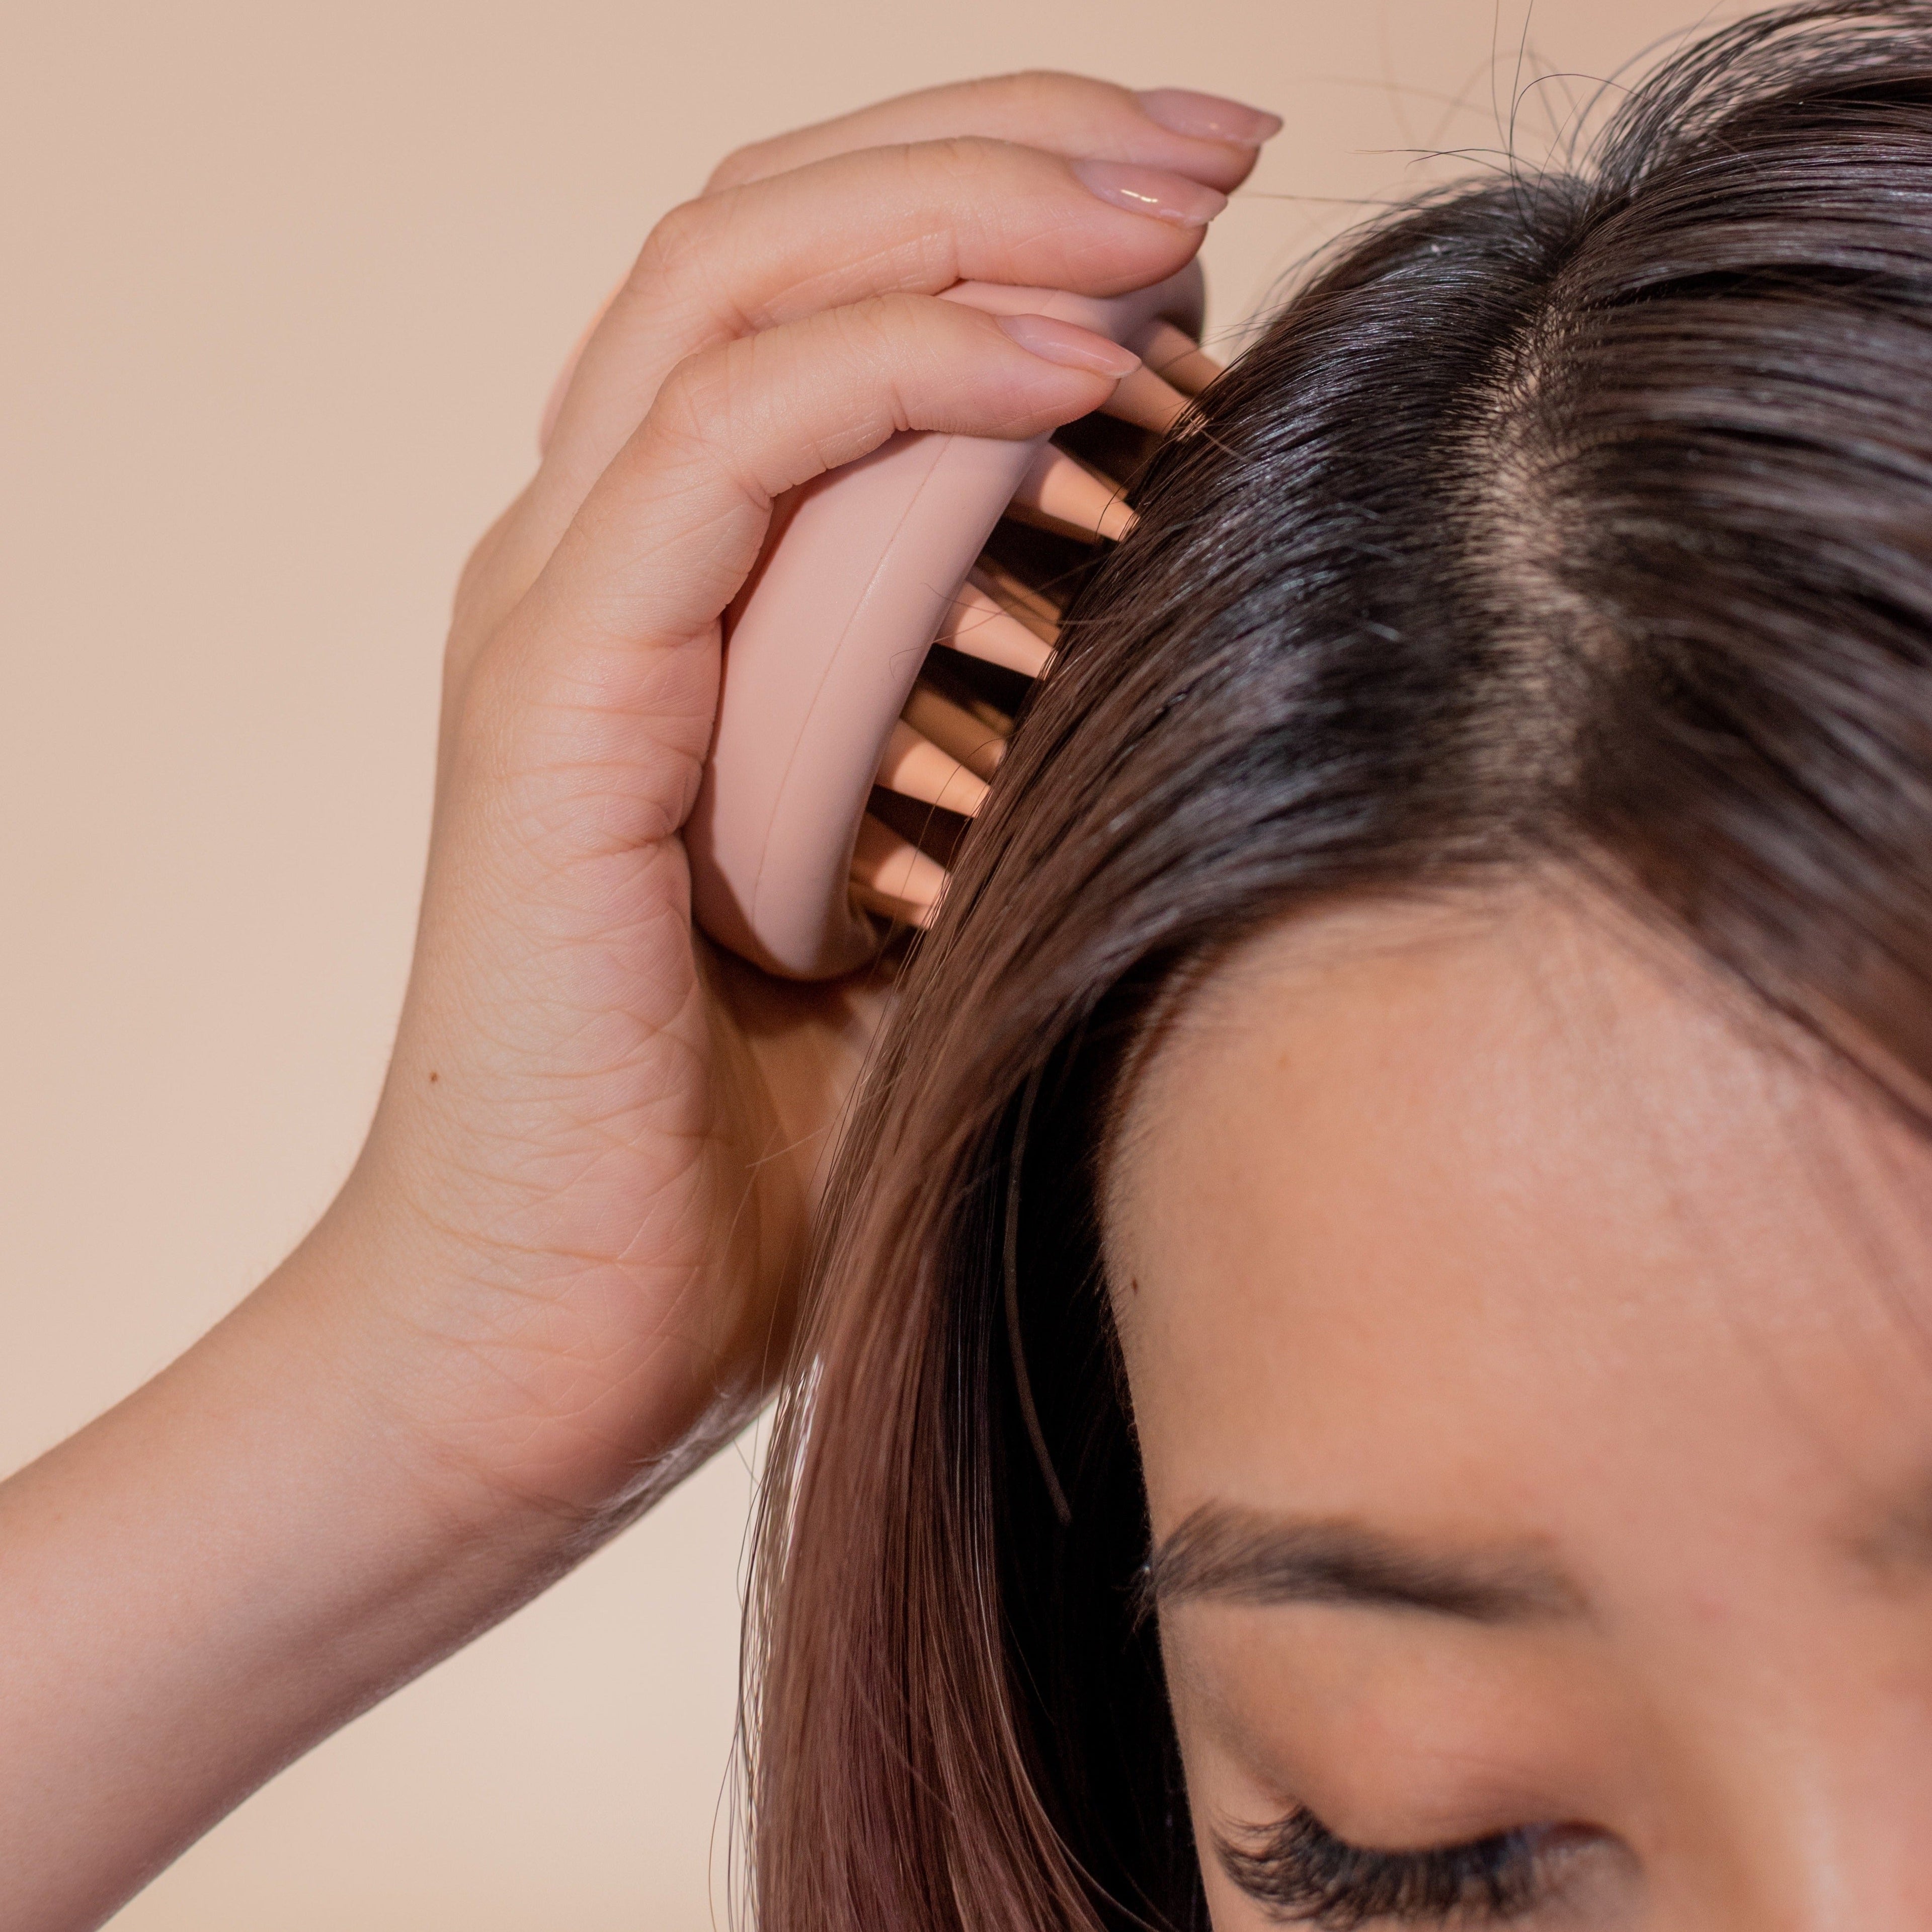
[[216, 1574]]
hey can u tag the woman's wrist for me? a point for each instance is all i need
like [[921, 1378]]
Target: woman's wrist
[[460, 1365], [218, 1573]]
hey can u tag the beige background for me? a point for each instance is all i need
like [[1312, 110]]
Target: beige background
[[285, 287]]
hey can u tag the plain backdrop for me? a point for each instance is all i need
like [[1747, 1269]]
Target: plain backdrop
[[284, 288]]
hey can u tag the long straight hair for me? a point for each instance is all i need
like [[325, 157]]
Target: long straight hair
[[1580, 520]]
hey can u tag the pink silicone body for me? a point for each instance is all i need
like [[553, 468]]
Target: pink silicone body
[[824, 649]]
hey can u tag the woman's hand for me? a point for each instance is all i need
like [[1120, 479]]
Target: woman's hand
[[558, 1275], [587, 1193]]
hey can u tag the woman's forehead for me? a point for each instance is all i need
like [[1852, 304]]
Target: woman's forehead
[[1493, 1199]]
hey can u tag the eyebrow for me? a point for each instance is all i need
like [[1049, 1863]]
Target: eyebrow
[[1243, 1557]]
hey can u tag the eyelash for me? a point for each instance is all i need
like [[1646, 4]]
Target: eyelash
[[1308, 1876]]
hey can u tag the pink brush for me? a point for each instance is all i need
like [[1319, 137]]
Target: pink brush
[[823, 695]]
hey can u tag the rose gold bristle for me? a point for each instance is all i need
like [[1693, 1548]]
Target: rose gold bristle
[[976, 745], [1019, 599], [1173, 353], [1063, 494], [893, 876], [1144, 400], [915, 767], [978, 624]]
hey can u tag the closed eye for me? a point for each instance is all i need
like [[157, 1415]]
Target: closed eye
[[1305, 1875]]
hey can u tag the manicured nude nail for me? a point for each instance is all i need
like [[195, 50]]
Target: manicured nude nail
[[1151, 191], [1068, 343], [1208, 117]]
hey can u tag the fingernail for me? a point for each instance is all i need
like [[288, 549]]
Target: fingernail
[[1067, 344], [1151, 191], [1208, 117]]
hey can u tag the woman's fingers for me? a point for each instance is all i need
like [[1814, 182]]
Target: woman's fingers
[[1200, 137], [919, 218], [1048, 180], [609, 665], [1211, 139], [912, 219]]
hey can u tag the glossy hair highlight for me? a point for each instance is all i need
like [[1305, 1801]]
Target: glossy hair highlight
[[1578, 521]]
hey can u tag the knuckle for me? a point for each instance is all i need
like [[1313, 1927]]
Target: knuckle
[[882, 320], [1042, 94], [866, 340], [701, 416], [1039, 87], [476, 565], [488, 580], [740, 166], [884, 334], [960, 157], [694, 399], [678, 238]]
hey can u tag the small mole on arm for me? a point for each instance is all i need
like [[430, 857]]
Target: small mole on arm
[[434, 1077]]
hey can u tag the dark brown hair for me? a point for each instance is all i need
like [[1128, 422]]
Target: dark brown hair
[[1578, 520]]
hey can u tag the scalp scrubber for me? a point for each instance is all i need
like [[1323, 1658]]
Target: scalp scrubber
[[874, 663]]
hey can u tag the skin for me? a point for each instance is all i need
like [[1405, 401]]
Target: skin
[[559, 1274], [1531, 1355]]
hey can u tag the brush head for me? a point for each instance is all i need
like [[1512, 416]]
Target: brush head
[[823, 698]]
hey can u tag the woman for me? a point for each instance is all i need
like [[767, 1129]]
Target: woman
[[1365, 1363]]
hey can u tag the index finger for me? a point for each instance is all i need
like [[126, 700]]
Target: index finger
[[1203, 136]]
